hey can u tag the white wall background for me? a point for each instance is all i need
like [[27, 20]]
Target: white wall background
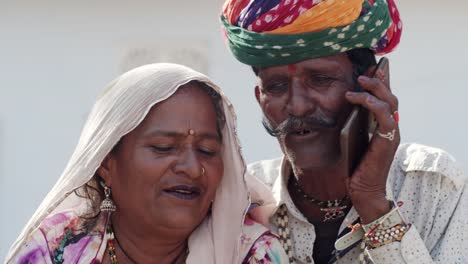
[[55, 57]]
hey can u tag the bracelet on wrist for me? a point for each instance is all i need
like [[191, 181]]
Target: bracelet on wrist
[[389, 228], [385, 236]]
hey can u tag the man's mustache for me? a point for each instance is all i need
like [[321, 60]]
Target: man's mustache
[[318, 120]]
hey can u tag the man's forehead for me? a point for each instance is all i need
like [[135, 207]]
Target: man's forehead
[[334, 63]]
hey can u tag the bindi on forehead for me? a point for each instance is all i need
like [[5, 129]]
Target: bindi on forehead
[[203, 135], [292, 69]]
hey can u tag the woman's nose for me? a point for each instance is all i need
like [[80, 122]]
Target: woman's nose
[[189, 164]]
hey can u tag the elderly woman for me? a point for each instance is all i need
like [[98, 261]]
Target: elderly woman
[[157, 177]]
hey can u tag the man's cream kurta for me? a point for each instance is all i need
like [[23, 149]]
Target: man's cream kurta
[[428, 181]]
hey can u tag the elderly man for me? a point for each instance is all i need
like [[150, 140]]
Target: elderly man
[[315, 61]]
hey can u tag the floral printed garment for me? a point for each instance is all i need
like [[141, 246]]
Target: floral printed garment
[[60, 239], [266, 249]]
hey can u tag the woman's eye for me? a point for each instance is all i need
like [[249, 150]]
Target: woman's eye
[[163, 148], [207, 152]]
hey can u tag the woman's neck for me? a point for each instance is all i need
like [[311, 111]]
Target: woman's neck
[[157, 246]]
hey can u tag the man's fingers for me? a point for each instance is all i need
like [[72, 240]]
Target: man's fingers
[[377, 87], [381, 109]]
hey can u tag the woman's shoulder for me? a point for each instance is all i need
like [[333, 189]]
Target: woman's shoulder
[[261, 245], [60, 238]]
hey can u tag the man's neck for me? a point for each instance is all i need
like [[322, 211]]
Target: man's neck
[[163, 246], [323, 184]]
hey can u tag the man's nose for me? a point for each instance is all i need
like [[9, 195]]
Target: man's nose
[[188, 163], [300, 103]]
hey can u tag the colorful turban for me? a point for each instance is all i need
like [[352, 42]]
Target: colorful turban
[[277, 32]]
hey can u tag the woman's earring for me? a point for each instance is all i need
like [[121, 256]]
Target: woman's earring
[[107, 205]]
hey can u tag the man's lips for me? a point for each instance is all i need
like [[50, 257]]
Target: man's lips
[[185, 192], [303, 134], [304, 131]]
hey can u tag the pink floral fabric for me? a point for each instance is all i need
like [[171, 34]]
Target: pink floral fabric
[[61, 239], [265, 251]]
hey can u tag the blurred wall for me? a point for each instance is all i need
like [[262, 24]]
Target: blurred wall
[[56, 56]]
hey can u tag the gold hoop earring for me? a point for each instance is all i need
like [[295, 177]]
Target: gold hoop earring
[[203, 171]]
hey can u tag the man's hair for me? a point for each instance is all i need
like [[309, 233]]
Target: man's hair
[[361, 59]]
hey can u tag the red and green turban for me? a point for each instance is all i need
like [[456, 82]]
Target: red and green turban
[[277, 32]]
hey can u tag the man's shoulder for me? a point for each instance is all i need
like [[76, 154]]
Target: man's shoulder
[[430, 161], [267, 171]]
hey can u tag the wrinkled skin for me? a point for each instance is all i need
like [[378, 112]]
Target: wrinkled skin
[[322, 89], [152, 222]]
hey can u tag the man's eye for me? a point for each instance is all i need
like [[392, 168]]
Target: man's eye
[[163, 148], [276, 87], [321, 80]]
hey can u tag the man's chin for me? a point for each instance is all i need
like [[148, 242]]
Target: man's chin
[[311, 160]]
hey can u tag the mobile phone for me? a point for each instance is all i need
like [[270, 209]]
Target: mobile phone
[[383, 65], [359, 128]]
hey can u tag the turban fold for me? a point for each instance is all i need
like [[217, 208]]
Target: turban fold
[[277, 32]]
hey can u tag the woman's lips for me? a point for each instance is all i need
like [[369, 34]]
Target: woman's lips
[[184, 192]]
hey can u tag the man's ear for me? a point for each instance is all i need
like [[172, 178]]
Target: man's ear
[[106, 168], [257, 93]]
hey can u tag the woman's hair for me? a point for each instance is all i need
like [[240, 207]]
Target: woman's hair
[[93, 192]]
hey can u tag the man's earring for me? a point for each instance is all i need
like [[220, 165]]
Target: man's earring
[[107, 205]]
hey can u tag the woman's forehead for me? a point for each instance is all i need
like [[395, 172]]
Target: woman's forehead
[[189, 107]]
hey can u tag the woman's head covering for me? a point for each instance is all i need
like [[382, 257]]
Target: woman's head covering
[[276, 32], [121, 108]]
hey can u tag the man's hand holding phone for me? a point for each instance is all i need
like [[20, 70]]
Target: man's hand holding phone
[[367, 184]]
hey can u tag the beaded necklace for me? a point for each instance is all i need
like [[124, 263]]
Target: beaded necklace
[[113, 256], [332, 209], [110, 245]]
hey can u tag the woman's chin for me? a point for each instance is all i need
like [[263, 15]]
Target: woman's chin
[[183, 218]]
